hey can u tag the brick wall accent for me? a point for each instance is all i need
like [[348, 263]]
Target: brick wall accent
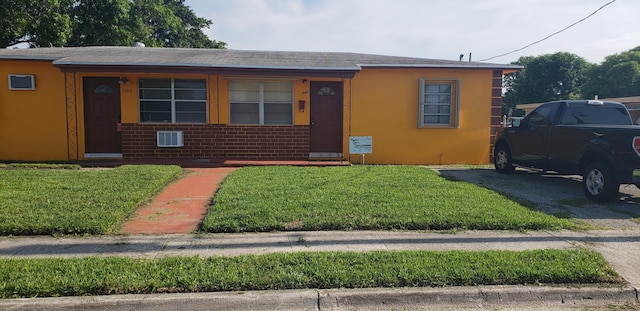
[[496, 107], [218, 142], [252, 142]]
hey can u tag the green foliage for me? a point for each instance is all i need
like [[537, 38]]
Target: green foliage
[[617, 76], [102, 23], [567, 76], [173, 23], [44, 22], [41, 166], [160, 23], [101, 276], [546, 78], [34, 201], [362, 198]]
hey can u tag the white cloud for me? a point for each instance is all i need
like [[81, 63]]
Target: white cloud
[[429, 29]]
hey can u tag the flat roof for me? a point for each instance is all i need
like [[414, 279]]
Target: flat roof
[[230, 59]]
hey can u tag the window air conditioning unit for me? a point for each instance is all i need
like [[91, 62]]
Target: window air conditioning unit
[[170, 139], [22, 82]]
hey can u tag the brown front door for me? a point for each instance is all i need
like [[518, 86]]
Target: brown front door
[[102, 115], [326, 119]]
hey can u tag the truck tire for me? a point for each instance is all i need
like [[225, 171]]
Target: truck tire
[[502, 159], [598, 182]]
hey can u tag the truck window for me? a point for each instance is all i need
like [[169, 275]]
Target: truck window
[[596, 114], [540, 116]]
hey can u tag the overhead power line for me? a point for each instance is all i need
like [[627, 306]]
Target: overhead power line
[[551, 35]]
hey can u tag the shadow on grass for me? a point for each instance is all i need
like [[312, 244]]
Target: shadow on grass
[[554, 194]]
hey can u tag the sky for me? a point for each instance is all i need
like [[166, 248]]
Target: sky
[[436, 29]]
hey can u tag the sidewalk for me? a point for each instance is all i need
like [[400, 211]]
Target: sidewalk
[[620, 247], [164, 228]]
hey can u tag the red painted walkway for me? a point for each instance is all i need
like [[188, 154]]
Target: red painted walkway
[[181, 206]]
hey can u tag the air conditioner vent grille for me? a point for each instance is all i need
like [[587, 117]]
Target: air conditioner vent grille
[[170, 139]]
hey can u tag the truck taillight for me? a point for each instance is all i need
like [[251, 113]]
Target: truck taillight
[[636, 145]]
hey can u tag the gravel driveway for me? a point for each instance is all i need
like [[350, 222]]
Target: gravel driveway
[[556, 194]]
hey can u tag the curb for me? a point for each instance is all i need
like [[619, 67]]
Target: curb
[[478, 296], [342, 299]]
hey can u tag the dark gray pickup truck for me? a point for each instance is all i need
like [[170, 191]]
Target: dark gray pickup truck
[[591, 138]]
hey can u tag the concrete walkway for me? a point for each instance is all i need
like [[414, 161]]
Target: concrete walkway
[[181, 206], [163, 228]]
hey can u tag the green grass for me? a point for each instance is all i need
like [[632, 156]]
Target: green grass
[[51, 166], [363, 198], [112, 275], [37, 201]]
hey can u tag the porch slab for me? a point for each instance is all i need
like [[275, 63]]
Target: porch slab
[[190, 163], [288, 163]]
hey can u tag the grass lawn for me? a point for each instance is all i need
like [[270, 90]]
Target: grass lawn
[[363, 198], [112, 275], [74, 201]]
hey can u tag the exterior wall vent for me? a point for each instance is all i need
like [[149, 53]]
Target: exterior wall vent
[[22, 82], [170, 139]]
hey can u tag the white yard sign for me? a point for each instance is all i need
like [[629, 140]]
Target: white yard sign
[[360, 144]]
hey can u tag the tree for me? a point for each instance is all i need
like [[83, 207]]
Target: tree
[[37, 22], [545, 78], [106, 22], [162, 23], [617, 76], [171, 23]]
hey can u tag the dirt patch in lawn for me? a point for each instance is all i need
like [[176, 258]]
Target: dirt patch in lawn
[[559, 195]]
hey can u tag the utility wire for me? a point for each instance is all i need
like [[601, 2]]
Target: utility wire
[[551, 35]]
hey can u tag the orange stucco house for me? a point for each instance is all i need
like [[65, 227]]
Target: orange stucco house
[[207, 105]]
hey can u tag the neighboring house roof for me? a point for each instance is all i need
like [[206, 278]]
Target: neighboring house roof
[[230, 59]]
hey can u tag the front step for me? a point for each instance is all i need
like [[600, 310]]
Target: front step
[[325, 156]]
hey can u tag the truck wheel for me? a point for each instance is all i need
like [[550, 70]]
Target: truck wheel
[[598, 182], [502, 159]]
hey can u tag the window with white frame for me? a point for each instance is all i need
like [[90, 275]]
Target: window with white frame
[[438, 103], [258, 102], [173, 100]]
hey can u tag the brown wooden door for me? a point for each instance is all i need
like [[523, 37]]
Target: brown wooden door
[[326, 117], [102, 115]]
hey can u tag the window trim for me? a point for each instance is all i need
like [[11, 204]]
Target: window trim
[[173, 100], [455, 103], [261, 102]]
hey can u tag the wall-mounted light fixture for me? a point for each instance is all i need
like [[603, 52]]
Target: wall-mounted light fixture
[[301, 105], [123, 80], [304, 81]]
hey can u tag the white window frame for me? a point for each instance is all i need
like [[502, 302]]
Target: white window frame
[[261, 103], [454, 114], [173, 100]]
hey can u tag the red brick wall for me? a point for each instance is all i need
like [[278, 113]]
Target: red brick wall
[[496, 108], [262, 142], [215, 141]]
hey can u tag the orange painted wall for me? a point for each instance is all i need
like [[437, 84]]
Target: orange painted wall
[[129, 99], [384, 105], [33, 124], [218, 99], [300, 92]]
